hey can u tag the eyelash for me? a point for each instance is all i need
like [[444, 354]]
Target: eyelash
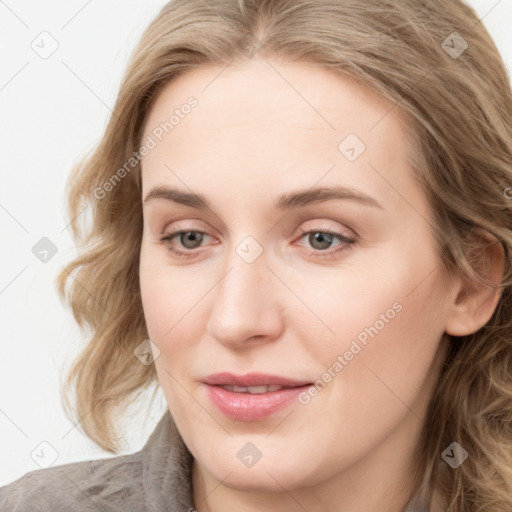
[[316, 253]]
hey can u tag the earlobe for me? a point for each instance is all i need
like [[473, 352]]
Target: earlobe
[[474, 302]]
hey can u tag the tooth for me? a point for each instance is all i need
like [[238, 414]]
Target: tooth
[[255, 390]]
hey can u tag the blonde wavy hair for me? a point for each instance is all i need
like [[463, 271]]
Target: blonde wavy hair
[[460, 105]]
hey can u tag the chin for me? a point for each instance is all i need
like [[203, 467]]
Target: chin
[[258, 480], [283, 467]]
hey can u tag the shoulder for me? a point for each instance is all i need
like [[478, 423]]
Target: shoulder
[[103, 484]]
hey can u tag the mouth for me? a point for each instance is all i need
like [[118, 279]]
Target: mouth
[[253, 396], [253, 380], [253, 390]]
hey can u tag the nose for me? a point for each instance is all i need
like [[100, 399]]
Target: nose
[[246, 304]]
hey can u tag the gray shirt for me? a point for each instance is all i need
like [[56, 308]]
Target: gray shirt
[[154, 479]]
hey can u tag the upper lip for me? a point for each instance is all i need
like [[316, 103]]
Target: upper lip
[[251, 379]]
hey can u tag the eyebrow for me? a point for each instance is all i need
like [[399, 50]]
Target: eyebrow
[[288, 201]]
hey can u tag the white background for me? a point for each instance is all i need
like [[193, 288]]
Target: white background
[[54, 110]]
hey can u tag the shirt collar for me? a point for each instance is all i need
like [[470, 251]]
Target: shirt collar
[[166, 471]]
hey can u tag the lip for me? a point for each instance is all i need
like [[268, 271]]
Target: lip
[[247, 406], [252, 379]]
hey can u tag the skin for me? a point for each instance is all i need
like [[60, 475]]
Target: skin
[[262, 129]]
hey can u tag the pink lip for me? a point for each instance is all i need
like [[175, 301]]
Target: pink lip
[[251, 379], [246, 406]]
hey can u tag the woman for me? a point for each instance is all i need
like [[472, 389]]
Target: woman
[[302, 231]]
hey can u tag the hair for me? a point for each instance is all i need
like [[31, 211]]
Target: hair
[[460, 110]]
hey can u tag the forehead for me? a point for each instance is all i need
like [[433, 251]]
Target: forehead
[[275, 91], [275, 121]]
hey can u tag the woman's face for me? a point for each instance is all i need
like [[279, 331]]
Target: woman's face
[[306, 256]]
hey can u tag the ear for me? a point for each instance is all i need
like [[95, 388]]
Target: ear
[[474, 302]]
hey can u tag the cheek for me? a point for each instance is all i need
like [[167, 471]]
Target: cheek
[[388, 316], [390, 346], [366, 303], [163, 290], [158, 297], [172, 309], [167, 312]]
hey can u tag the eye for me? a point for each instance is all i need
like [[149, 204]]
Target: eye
[[190, 241], [322, 239]]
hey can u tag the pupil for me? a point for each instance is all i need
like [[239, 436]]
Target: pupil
[[192, 236], [323, 238]]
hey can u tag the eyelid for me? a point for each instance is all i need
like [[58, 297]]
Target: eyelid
[[183, 224], [305, 228], [165, 237], [347, 242], [326, 229]]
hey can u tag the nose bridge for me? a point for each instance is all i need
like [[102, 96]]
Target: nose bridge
[[243, 305]]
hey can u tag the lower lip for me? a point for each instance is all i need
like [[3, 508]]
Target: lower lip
[[248, 407]]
